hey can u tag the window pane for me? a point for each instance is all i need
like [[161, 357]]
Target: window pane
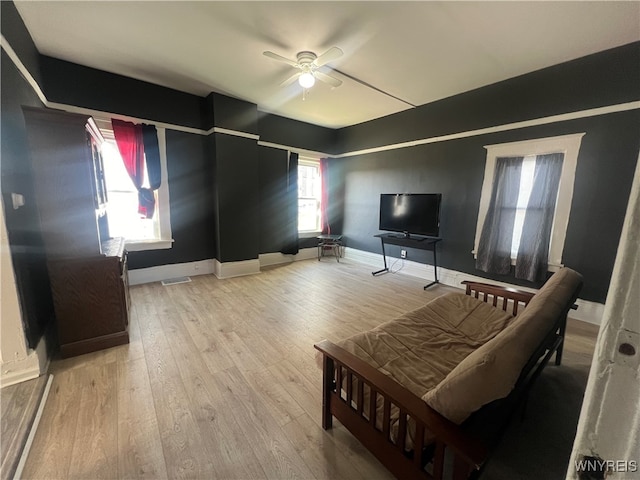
[[309, 192], [307, 179], [526, 184], [122, 207], [308, 214]]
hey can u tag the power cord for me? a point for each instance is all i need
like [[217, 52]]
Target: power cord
[[391, 270]]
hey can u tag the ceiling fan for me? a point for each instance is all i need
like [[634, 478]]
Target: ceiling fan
[[309, 63]]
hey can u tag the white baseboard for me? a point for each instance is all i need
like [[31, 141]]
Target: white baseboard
[[590, 312], [213, 266], [32, 431], [164, 272], [236, 269], [277, 258], [32, 366]]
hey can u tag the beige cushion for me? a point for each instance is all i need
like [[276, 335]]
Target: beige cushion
[[418, 349], [491, 371]]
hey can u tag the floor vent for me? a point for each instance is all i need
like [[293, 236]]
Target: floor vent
[[175, 281]]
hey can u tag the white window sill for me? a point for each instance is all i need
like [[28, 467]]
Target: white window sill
[[141, 245], [308, 234]]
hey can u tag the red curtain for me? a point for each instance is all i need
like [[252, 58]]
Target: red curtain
[[131, 146], [130, 140], [324, 196]]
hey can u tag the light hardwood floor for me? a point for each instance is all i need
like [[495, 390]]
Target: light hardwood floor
[[220, 380], [18, 408]]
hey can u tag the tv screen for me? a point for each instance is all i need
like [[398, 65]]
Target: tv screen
[[417, 213]]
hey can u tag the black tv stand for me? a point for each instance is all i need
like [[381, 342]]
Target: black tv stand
[[422, 243]]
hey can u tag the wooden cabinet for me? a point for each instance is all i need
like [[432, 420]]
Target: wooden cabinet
[[87, 268]]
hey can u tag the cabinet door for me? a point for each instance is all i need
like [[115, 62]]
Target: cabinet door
[[89, 301], [62, 170]]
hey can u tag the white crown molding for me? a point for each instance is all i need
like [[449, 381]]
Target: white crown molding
[[234, 133], [588, 311], [301, 151]]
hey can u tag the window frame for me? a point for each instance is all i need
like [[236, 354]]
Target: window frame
[[162, 225], [569, 145], [311, 162]]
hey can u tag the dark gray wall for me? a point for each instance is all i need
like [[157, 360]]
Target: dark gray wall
[[272, 172], [231, 113], [190, 173], [285, 131], [72, 84], [23, 227], [455, 168], [14, 30], [238, 197]]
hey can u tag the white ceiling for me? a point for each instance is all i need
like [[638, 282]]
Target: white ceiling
[[417, 51]]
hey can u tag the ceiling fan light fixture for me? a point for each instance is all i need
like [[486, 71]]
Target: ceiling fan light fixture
[[307, 80]]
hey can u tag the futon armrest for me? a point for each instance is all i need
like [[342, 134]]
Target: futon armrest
[[467, 448]]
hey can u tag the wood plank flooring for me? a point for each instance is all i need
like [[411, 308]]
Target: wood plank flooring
[[220, 380], [18, 407]]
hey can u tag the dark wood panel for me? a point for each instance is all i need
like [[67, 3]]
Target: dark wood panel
[[89, 298], [61, 159]]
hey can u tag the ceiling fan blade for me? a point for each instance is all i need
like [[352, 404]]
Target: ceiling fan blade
[[291, 79], [280, 58], [333, 81], [326, 57]]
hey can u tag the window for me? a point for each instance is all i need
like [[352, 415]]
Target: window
[[309, 195], [569, 145], [122, 206]]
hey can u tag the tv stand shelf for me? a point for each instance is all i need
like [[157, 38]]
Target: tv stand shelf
[[419, 242]]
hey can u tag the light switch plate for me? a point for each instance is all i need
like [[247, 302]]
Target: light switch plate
[[18, 200]]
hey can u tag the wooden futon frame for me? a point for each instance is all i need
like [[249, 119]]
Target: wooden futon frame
[[465, 447]]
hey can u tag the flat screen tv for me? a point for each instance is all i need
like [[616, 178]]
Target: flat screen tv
[[411, 213]]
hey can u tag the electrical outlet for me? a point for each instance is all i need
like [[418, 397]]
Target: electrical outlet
[[403, 254]]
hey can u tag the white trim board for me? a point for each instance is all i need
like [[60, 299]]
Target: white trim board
[[588, 311], [33, 430], [213, 266], [234, 133], [191, 269], [301, 151], [277, 258], [224, 270], [35, 364], [163, 272], [22, 69]]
